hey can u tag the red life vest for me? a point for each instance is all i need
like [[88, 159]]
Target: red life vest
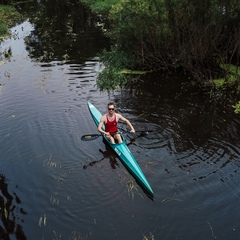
[[111, 126]]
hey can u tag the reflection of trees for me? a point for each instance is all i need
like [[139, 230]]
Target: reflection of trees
[[7, 213], [63, 29]]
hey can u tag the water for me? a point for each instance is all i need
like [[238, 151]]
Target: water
[[56, 186]]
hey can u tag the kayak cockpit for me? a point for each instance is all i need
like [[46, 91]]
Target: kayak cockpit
[[116, 142]]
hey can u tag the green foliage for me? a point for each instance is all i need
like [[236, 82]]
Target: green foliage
[[219, 82], [3, 28], [230, 68], [237, 108], [8, 17], [231, 79], [109, 79], [117, 59], [197, 36], [112, 75], [229, 85], [132, 21], [134, 8], [102, 6]]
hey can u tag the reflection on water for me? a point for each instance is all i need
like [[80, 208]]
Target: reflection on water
[[63, 31], [10, 212]]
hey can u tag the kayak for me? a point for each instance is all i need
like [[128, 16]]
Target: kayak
[[124, 154]]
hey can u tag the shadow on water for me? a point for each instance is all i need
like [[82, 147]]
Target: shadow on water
[[9, 212], [107, 154]]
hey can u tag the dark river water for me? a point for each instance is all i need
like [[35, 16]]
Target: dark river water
[[55, 186]]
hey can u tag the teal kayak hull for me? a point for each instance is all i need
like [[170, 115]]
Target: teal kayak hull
[[125, 155]]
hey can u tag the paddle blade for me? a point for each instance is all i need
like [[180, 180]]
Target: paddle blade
[[90, 137]]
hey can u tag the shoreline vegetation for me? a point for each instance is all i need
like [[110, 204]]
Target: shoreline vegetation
[[197, 38], [9, 16]]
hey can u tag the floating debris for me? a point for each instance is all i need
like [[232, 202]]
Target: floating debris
[[52, 162], [54, 199], [45, 220], [131, 187], [169, 200], [151, 237], [40, 221]]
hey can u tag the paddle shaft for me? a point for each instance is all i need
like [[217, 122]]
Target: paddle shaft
[[90, 137]]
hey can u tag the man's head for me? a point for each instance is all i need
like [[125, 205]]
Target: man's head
[[111, 106]]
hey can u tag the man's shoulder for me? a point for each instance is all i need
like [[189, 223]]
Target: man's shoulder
[[103, 116], [118, 115]]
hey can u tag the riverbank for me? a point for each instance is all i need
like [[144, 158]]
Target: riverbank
[[9, 16]]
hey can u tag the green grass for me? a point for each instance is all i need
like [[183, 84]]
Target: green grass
[[3, 28], [8, 17]]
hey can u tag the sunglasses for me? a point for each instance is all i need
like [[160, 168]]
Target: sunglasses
[[111, 109]]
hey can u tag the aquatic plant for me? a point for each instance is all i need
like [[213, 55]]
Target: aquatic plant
[[150, 237], [131, 188]]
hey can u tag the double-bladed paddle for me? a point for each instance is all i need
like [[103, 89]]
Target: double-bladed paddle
[[90, 137]]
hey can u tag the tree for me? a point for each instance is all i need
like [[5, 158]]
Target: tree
[[194, 35]]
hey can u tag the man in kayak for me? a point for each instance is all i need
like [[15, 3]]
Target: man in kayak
[[110, 121]]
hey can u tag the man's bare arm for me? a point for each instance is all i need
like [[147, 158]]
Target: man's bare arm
[[127, 122]]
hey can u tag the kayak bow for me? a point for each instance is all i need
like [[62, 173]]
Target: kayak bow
[[124, 154]]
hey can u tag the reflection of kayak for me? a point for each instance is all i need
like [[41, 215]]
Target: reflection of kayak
[[124, 154]]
